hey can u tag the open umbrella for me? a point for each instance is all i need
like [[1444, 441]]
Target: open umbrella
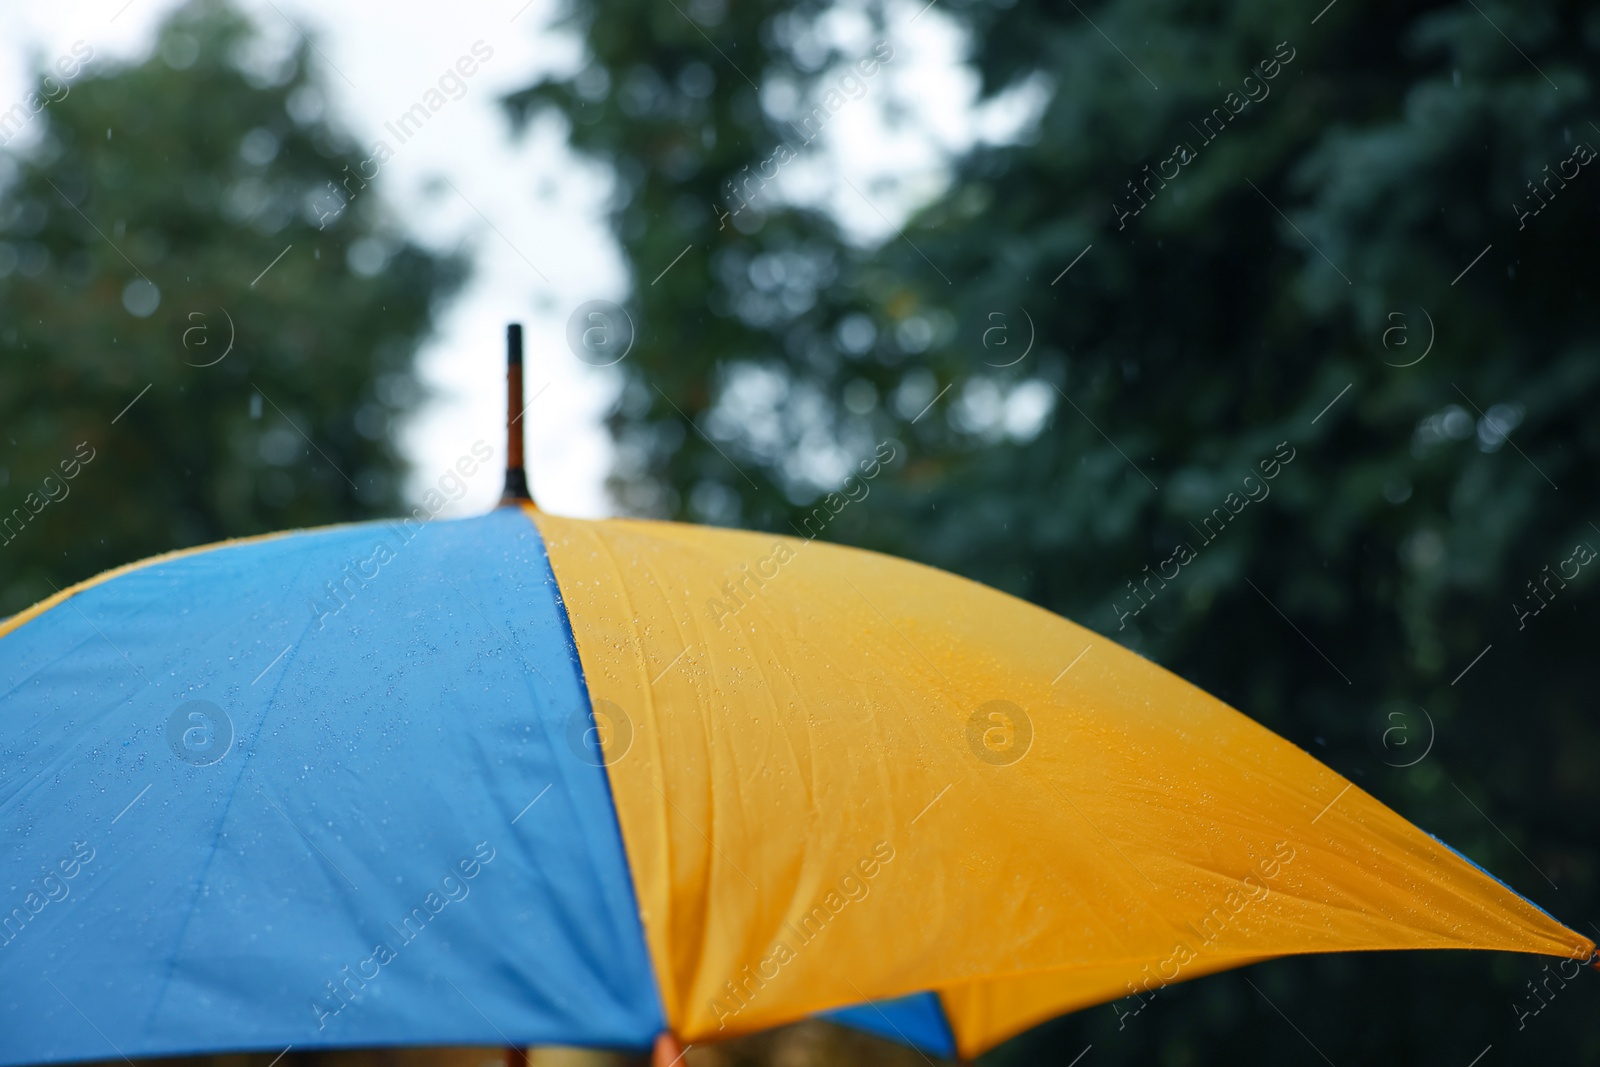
[[519, 779]]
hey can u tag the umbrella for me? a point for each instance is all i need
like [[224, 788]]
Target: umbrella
[[520, 779]]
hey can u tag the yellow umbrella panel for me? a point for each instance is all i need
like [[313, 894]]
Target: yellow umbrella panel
[[841, 777]]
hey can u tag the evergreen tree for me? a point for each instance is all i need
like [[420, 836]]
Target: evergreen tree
[[207, 321], [1287, 209]]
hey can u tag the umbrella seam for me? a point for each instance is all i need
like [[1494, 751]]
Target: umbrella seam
[[227, 808]]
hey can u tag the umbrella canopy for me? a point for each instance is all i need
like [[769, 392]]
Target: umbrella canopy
[[521, 779]]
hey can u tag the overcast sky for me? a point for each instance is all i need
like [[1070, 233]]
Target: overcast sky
[[528, 212]]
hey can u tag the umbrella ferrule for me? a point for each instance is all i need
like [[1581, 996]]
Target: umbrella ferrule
[[516, 490]]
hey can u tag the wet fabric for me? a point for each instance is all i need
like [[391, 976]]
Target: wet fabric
[[528, 780], [846, 777], [327, 789]]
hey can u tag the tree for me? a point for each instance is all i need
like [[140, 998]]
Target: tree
[[207, 321], [1286, 209]]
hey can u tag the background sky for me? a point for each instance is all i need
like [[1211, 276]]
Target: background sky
[[529, 213]]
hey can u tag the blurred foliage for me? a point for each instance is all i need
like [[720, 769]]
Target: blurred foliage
[[1223, 319], [176, 182]]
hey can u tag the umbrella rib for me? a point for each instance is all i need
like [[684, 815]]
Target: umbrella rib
[[1102, 833], [166, 981], [310, 842], [702, 833]]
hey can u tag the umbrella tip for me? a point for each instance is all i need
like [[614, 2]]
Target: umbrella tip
[[516, 490]]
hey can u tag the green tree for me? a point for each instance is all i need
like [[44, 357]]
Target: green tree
[[199, 289], [1376, 164]]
